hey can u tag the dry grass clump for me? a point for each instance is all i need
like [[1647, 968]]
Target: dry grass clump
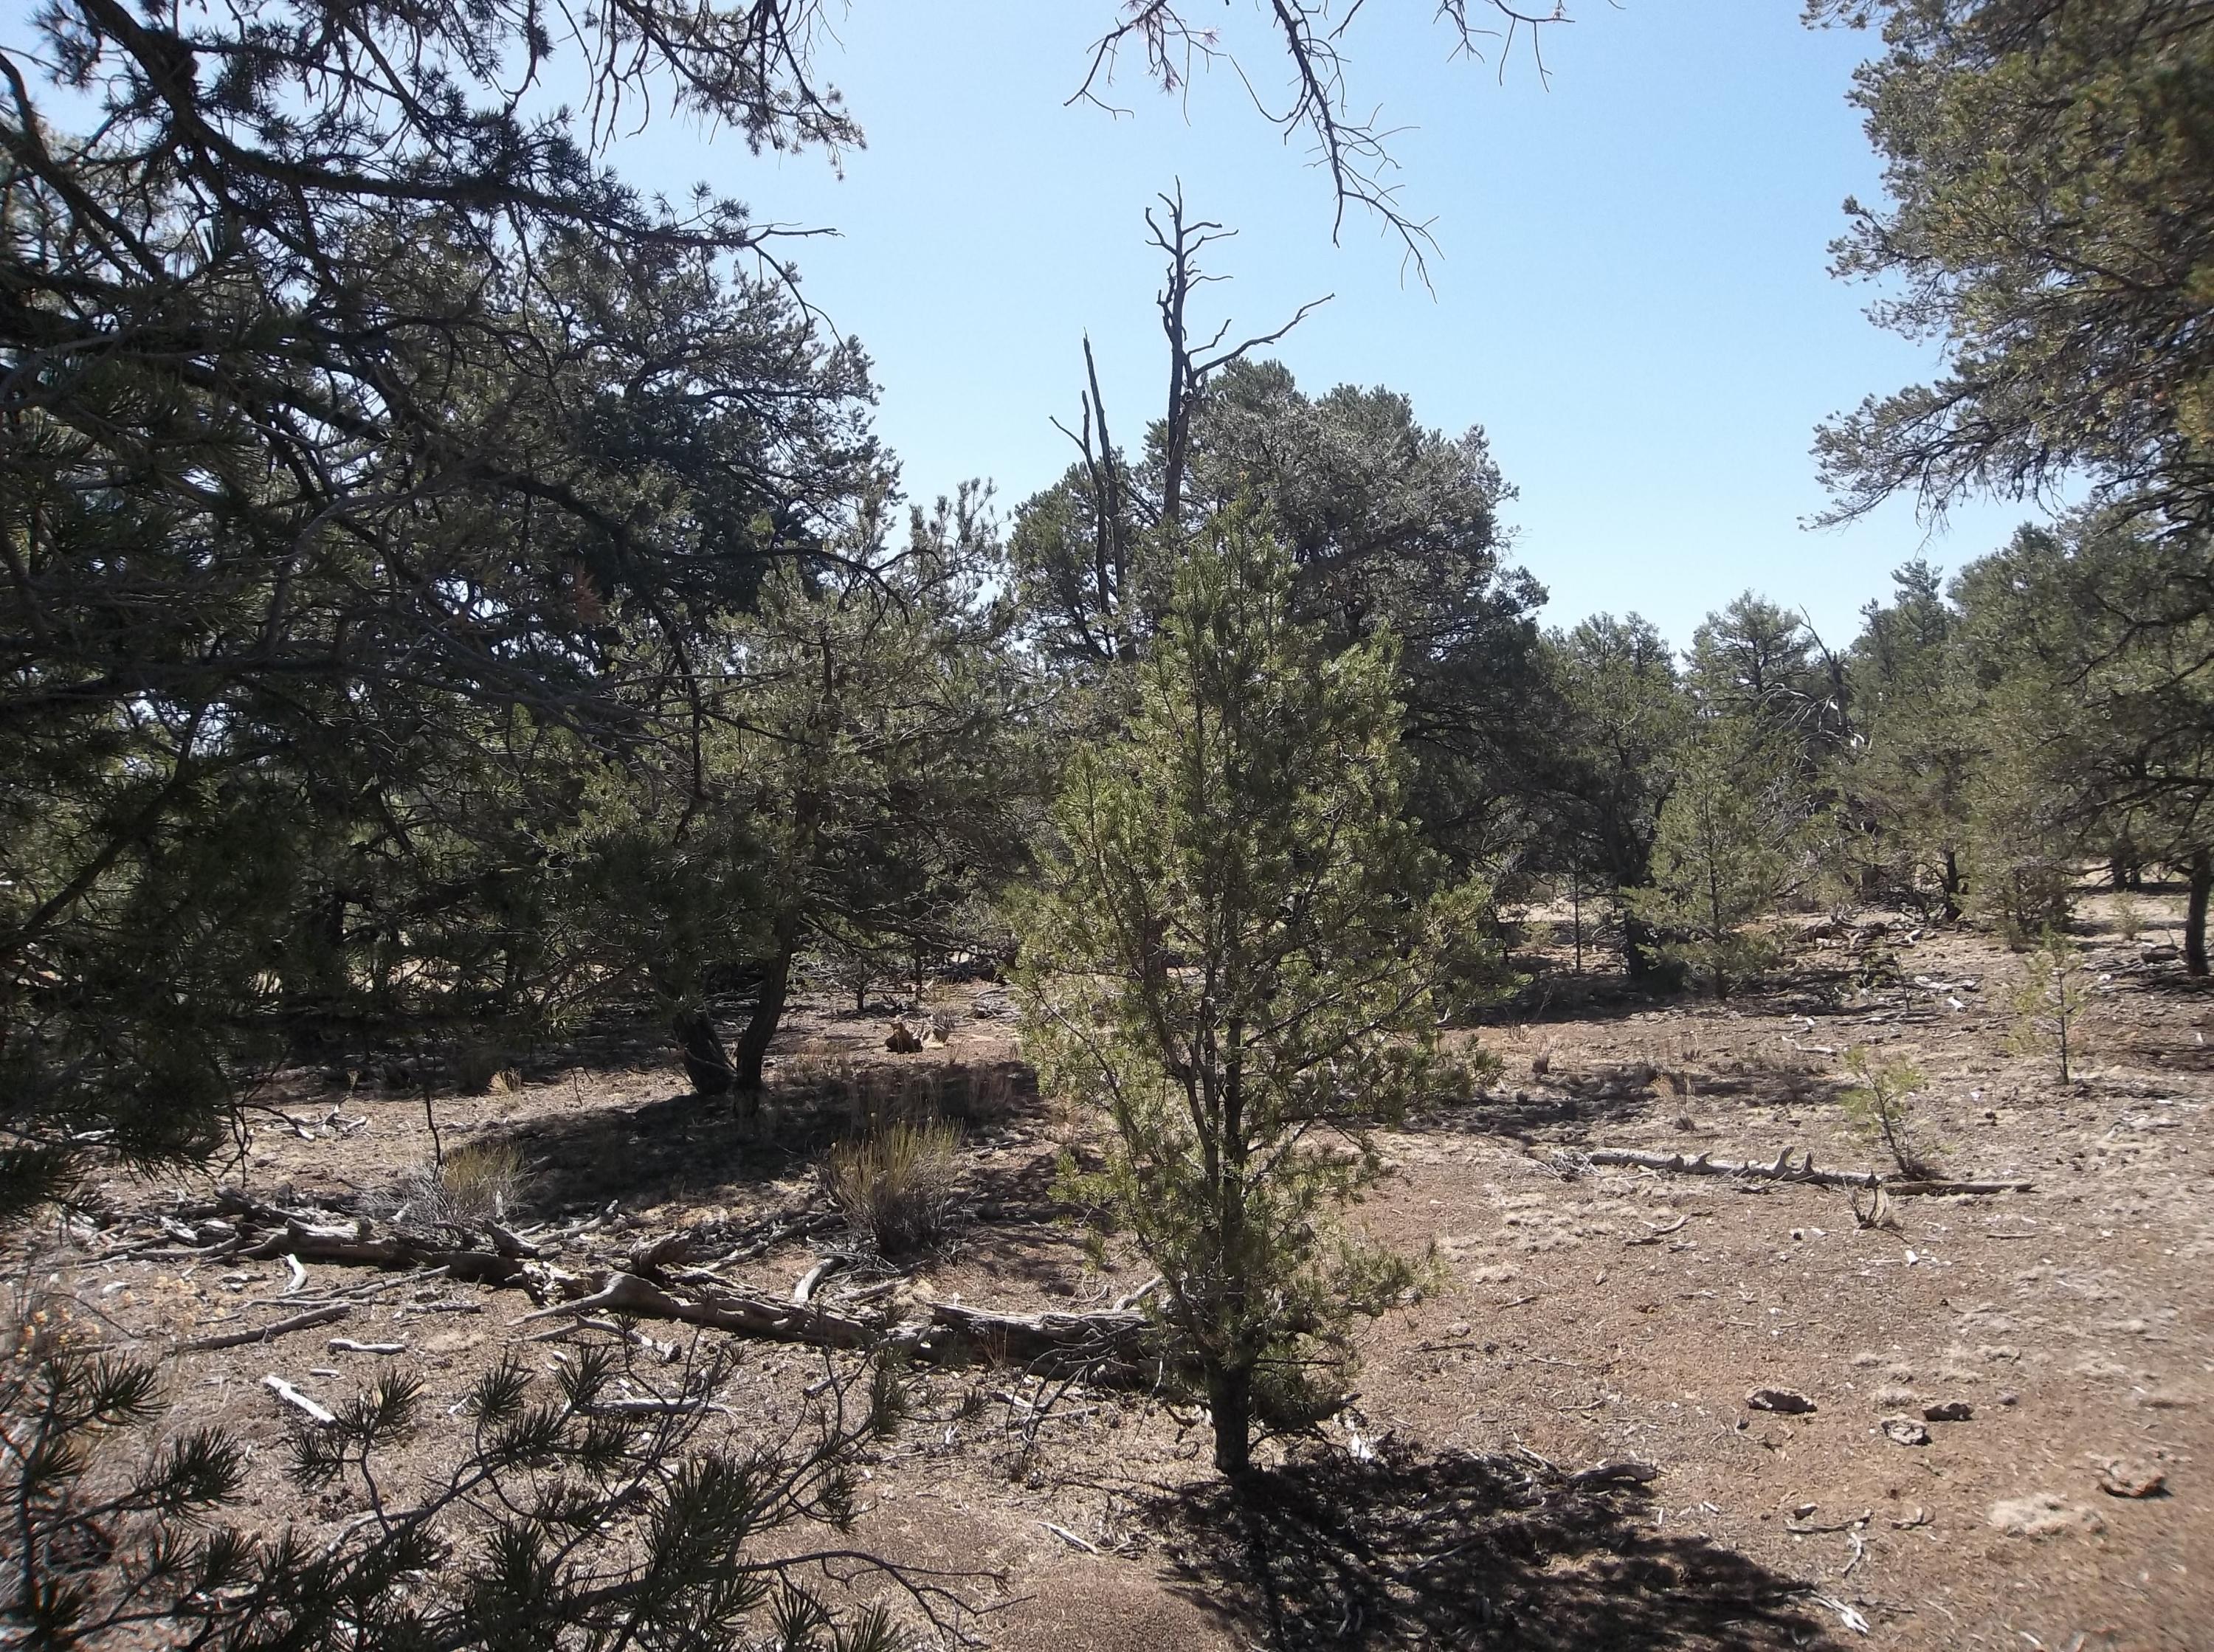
[[896, 1184], [478, 1181]]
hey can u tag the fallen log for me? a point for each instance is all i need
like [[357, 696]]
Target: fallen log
[[1109, 1348], [401, 1250], [1783, 1169], [751, 1316], [1114, 1348]]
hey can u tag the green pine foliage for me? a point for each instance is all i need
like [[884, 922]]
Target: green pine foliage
[[596, 1509], [1879, 1104], [1918, 705], [2047, 213], [1233, 957], [1725, 852], [1618, 715], [2052, 1002]]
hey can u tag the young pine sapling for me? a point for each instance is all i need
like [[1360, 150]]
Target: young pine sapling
[[1233, 960], [1880, 1106], [2052, 1002]]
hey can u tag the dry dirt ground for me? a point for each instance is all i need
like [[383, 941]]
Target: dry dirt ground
[[1576, 1317]]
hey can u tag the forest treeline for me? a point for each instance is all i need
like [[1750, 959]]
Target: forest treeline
[[448, 589]]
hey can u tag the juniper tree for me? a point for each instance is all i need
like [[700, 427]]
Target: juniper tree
[[1231, 956]]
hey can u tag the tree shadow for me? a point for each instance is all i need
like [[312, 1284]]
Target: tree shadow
[[1456, 1550], [686, 1146]]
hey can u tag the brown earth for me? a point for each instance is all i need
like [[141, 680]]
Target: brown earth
[[1577, 1317]]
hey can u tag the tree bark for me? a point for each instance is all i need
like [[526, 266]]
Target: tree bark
[[2194, 915], [1638, 943], [1948, 880], [761, 1026], [1229, 1398], [707, 1068]]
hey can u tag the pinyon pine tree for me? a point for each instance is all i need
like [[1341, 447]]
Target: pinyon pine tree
[[1231, 958], [1722, 856]]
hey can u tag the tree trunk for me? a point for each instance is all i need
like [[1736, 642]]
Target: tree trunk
[[2194, 915], [761, 1027], [1948, 880], [1229, 1398], [706, 1066], [1638, 944]]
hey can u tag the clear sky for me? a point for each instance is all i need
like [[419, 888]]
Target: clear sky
[[1632, 296]]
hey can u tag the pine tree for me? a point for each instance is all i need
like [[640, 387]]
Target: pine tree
[[1230, 959], [1722, 856]]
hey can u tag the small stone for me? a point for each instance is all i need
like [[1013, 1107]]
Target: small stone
[[1790, 1401], [1458, 1328], [2009, 1397], [1949, 1410], [2125, 1477], [1904, 1431]]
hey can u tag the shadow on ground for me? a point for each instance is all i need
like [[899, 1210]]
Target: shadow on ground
[[1454, 1551], [686, 1147]]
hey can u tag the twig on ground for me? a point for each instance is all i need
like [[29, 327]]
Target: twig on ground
[[1069, 1537], [275, 1328], [299, 1402]]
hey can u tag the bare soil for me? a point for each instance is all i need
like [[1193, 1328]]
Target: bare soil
[[1577, 1318]]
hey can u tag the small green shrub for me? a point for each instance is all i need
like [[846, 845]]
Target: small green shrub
[[896, 1185]]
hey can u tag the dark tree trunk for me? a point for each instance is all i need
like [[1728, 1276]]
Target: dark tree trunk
[[705, 1067], [1948, 880], [2194, 915], [1639, 946], [1229, 1398], [761, 1027]]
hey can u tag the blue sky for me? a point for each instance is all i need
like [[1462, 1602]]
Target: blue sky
[[1632, 296]]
